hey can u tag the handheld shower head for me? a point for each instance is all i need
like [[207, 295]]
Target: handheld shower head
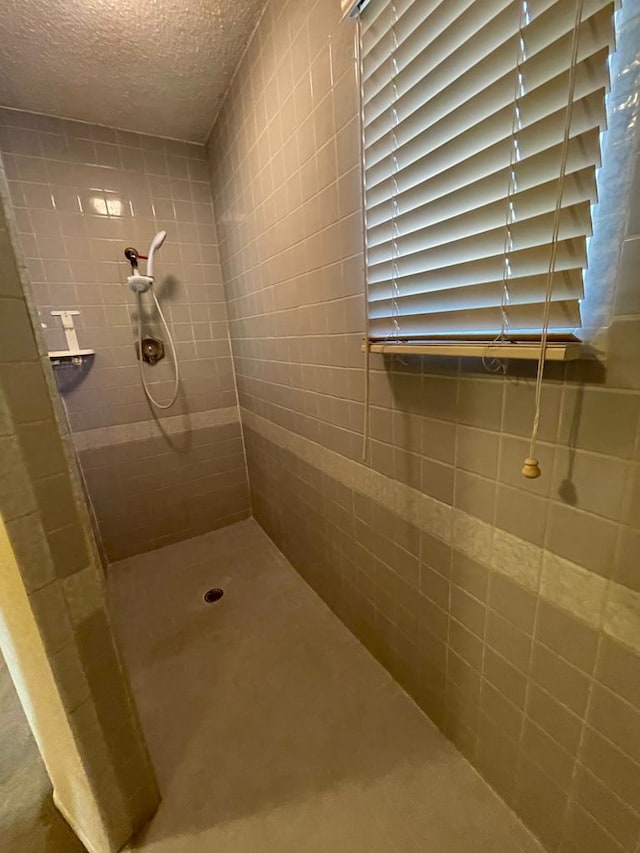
[[157, 241]]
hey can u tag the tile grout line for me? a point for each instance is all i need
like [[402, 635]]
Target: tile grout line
[[534, 638], [485, 644]]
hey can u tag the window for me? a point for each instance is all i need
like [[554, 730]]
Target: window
[[481, 128]]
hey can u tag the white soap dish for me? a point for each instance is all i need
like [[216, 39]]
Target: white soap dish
[[73, 354]]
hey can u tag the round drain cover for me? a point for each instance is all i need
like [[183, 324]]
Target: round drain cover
[[212, 595]]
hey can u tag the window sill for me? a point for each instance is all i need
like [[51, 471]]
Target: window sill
[[529, 351]]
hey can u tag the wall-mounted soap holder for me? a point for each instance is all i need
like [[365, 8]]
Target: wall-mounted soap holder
[[73, 354], [58, 357]]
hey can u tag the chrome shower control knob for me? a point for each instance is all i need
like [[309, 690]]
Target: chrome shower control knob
[[152, 350]]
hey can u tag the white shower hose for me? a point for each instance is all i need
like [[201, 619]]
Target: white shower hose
[[176, 385]]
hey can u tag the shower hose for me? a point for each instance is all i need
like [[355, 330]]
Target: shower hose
[[176, 384]]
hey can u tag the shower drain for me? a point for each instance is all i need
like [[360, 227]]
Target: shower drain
[[212, 595]]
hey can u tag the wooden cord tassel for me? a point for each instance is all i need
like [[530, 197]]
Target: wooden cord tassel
[[531, 468]]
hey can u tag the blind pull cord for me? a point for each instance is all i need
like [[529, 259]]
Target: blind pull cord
[[531, 468], [497, 365], [366, 426]]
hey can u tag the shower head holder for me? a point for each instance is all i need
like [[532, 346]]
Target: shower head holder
[[133, 256]]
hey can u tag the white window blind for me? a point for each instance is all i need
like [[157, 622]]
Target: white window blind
[[349, 7], [464, 111]]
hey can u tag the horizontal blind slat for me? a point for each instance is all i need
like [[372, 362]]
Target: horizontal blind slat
[[378, 50], [574, 221], [564, 315], [567, 284], [527, 262], [486, 156], [533, 231], [433, 43], [433, 224], [447, 95], [482, 296], [489, 118], [378, 24], [461, 188], [378, 18]]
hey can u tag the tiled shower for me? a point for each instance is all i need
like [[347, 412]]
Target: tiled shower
[[81, 194], [508, 610]]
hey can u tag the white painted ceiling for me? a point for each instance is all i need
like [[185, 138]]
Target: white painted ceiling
[[156, 66]]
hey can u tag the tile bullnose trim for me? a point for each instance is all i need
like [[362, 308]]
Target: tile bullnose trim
[[574, 588], [622, 614], [91, 439], [516, 558], [598, 602]]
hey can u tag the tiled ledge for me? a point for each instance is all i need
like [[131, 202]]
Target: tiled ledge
[[124, 433], [601, 603]]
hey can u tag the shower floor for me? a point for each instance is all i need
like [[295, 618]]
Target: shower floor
[[272, 730]]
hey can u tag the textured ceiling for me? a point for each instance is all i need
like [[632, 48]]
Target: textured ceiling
[[156, 66]]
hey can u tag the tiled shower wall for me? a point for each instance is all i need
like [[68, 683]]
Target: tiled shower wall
[[81, 194], [509, 609], [55, 633]]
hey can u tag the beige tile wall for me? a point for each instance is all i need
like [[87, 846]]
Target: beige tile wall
[[82, 193], [138, 487], [509, 609], [54, 630]]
